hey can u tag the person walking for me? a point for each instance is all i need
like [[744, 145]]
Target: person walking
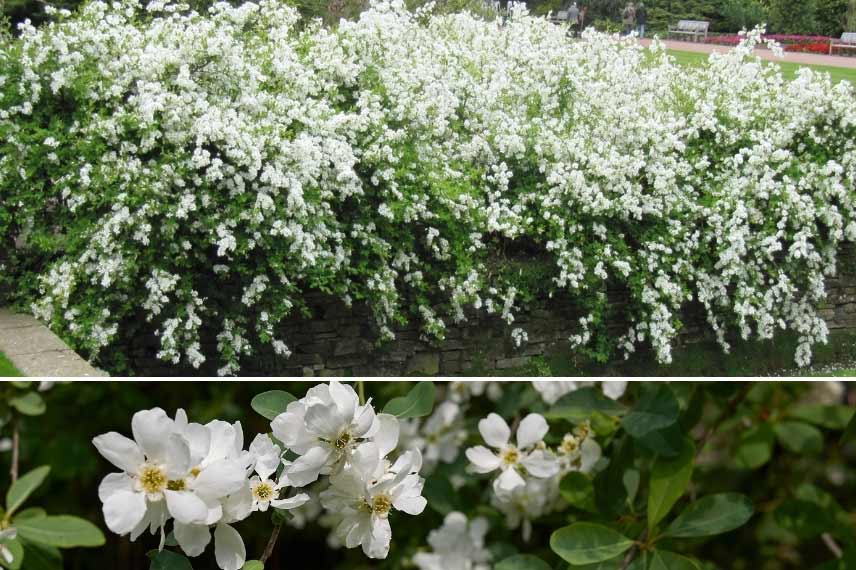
[[574, 19], [641, 19], [628, 18]]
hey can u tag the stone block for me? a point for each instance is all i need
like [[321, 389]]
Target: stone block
[[352, 346], [423, 364]]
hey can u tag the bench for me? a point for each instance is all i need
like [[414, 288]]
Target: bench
[[692, 28], [847, 41], [560, 17]]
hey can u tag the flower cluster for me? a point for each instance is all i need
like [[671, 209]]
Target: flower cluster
[[233, 162], [457, 545], [200, 477]]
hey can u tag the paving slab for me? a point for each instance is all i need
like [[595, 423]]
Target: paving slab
[[36, 351]]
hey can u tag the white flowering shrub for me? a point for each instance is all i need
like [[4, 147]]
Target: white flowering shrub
[[196, 175], [595, 478]]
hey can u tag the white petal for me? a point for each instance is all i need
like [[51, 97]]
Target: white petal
[[124, 510], [387, 434], [366, 460], [219, 479], [192, 538], [289, 428], [199, 440], [483, 459], [412, 505], [177, 457], [267, 455], [495, 431], [238, 506], [122, 452], [307, 467], [186, 507], [291, 502], [345, 399], [114, 483], [508, 481], [541, 463], [229, 548], [590, 453], [152, 429], [325, 421], [614, 388], [365, 423], [532, 429], [222, 440], [381, 535]]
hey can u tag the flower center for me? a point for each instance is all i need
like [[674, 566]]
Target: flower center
[[510, 456], [343, 440], [153, 479], [195, 471], [569, 445], [263, 492], [176, 485], [381, 504]]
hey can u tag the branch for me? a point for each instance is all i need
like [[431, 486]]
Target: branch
[[270, 545], [832, 545], [13, 471], [631, 554]]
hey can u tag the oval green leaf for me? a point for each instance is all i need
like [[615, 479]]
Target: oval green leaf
[[799, 437], [578, 490], [669, 481], [61, 531], [579, 405], [755, 447], [253, 565], [522, 562], [829, 417], [29, 404], [272, 403], [657, 409], [712, 515], [16, 550], [24, 487], [665, 560], [42, 557], [169, 560], [417, 403], [587, 543]]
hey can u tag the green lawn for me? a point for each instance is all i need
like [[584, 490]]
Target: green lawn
[[789, 70], [7, 368]]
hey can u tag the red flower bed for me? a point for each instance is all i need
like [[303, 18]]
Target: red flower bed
[[814, 47]]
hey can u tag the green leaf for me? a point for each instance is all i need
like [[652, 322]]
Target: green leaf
[[849, 432], [61, 531], [578, 490], [42, 557], [586, 543], [417, 403], [31, 513], [169, 560], [522, 562], [714, 514], [253, 565], [16, 549], [272, 403], [665, 560], [24, 487], [846, 562], [631, 485], [440, 494], [579, 405], [667, 442], [657, 409], [755, 447], [669, 481], [29, 404], [806, 519], [799, 437], [829, 417]]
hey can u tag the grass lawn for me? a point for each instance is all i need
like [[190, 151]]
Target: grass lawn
[[7, 368], [789, 70]]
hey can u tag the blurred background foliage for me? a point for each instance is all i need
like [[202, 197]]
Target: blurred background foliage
[[787, 480], [805, 17]]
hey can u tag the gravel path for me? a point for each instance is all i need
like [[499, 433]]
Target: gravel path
[[792, 57]]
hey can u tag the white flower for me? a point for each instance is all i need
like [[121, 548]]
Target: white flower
[[552, 390], [7, 534], [578, 453], [511, 459], [266, 491], [325, 427], [538, 497], [366, 490], [439, 438], [457, 545]]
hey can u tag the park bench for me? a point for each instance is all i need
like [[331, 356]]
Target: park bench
[[560, 17], [691, 28], [847, 41]]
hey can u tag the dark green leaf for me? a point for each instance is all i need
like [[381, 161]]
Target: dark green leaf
[[522, 562], [664, 560], [31, 513], [657, 409], [799, 437], [169, 560], [669, 481], [29, 404], [609, 491], [755, 446], [440, 494], [24, 487], [586, 543], [577, 489], [667, 442], [714, 514], [417, 403], [271, 404], [61, 531], [579, 405], [16, 549], [805, 519], [849, 432], [829, 417], [42, 557]]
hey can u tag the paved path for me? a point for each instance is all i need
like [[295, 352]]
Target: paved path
[[36, 351], [791, 57]]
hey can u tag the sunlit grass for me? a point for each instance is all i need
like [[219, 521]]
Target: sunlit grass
[[7, 368]]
